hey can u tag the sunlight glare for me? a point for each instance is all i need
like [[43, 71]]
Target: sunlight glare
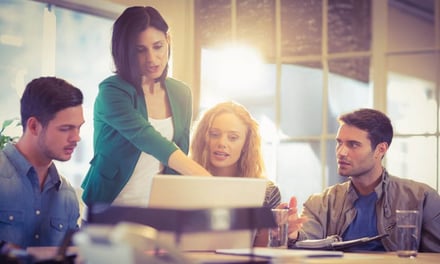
[[238, 69]]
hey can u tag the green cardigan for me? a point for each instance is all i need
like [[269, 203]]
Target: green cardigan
[[122, 131]]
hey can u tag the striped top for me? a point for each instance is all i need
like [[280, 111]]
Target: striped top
[[273, 195]]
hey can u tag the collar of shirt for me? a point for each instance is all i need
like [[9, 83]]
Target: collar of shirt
[[380, 191], [23, 167]]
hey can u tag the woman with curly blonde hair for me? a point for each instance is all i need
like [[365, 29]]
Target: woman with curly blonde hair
[[227, 142]]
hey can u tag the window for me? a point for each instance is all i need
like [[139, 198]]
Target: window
[[38, 39], [413, 67], [314, 68]]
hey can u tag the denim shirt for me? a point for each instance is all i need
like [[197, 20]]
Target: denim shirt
[[30, 216]]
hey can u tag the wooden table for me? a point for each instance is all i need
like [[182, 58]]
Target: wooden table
[[211, 257], [377, 258], [44, 253]]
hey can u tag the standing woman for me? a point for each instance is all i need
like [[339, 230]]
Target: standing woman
[[227, 142], [141, 117]]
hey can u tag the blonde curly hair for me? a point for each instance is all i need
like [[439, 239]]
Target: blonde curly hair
[[250, 163]]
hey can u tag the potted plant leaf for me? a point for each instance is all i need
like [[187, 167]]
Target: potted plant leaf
[[4, 139]]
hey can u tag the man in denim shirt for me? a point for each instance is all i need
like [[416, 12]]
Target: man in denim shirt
[[37, 205]]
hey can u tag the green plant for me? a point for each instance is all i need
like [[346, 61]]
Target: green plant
[[6, 138]]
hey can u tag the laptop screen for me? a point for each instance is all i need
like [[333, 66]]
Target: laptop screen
[[195, 192]]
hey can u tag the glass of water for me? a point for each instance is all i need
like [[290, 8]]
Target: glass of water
[[407, 233], [278, 235]]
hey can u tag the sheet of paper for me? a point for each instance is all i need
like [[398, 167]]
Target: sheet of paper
[[275, 252]]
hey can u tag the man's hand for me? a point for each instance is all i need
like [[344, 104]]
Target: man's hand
[[295, 222]]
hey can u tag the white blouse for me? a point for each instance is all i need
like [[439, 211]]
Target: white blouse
[[137, 190]]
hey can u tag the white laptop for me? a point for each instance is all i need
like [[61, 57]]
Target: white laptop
[[201, 192], [194, 192]]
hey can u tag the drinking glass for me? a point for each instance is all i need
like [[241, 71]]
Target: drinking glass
[[278, 235], [407, 232]]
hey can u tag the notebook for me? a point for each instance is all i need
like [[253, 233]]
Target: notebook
[[201, 192]]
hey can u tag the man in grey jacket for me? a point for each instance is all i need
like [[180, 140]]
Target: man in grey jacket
[[366, 204]]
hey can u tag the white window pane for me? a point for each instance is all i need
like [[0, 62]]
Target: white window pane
[[345, 93], [411, 104], [299, 170], [301, 101], [236, 73], [414, 158], [20, 51]]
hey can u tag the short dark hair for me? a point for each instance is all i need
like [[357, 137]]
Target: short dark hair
[[126, 30], [375, 123], [45, 96]]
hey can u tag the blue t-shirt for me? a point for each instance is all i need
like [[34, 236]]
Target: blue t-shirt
[[364, 224], [30, 216]]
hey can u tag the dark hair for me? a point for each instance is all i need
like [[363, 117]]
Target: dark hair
[[126, 30], [45, 96], [375, 123]]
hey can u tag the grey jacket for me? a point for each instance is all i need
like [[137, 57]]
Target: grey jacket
[[332, 211]]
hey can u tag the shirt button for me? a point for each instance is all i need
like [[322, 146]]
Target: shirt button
[[60, 226], [11, 218], [37, 236], [37, 212]]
